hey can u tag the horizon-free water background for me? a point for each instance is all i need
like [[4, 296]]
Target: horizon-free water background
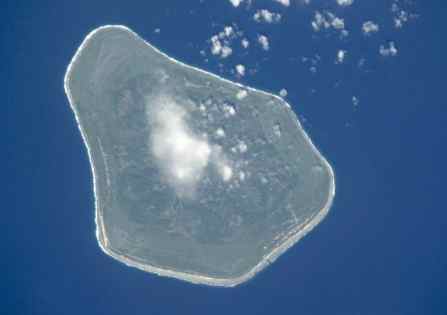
[[380, 250]]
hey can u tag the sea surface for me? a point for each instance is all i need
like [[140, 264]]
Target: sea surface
[[381, 250]]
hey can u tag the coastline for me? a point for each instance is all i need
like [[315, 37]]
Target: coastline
[[295, 235]]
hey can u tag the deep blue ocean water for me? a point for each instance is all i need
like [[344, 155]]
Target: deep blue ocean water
[[382, 248]]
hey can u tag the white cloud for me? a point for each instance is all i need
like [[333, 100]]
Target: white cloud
[[338, 23], [327, 20], [218, 49], [341, 54], [226, 51], [242, 146], [320, 22], [241, 94], [389, 51], [236, 3], [345, 3], [240, 70], [226, 172], [245, 43], [283, 93], [216, 45], [266, 16], [370, 27], [227, 32], [400, 16], [264, 42], [285, 3], [344, 33], [220, 133], [220, 43], [183, 156]]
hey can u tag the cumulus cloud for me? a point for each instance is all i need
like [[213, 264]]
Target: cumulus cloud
[[240, 70], [264, 42], [370, 27], [266, 16], [389, 51], [285, 3], [319, 22], [226, 51], [400, 16], [184, 157], [236, 3], [221, 42], [241, 94], [283, 92], [338, 23], [226, 172], [220, 133], [345, 3], [327, 20], [216, 45], [341, 54], [227, 32], [181, 154]]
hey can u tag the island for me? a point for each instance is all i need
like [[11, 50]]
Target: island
[[194, 176]]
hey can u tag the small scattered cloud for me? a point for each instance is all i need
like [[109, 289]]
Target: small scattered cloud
[[400, 16], [327, 20], [319, 22], [236, 3], [312, 61], [241, 94], [338, 23], [341, 54], [240, 70], [227, 32], [389, 51], [226, 51], [267, 16], [345, 3], [283, 93], [370, 27], [217, 48], [216, 45], [221, 42], [264, 42], [285, 3]]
